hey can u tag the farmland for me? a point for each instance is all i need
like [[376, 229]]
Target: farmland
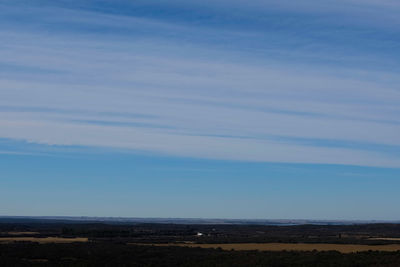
[[343, 248], [43, 240], [82, 243]]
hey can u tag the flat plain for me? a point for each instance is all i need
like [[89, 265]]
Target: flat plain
[[343, 248], [43, 240], [57, 242]]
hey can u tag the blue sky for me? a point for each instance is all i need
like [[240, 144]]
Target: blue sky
[[222, 109]]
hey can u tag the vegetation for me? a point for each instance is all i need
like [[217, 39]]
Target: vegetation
[[107, 254], [111, 244]]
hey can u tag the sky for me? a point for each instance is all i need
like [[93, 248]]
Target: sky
[[200, 109]]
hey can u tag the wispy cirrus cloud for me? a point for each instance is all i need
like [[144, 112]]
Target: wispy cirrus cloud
[[295, 88]]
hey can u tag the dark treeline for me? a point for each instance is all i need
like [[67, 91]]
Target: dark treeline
[[221, 233], [116, 254]]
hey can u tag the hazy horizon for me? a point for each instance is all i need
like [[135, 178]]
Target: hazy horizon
[[200, 220]]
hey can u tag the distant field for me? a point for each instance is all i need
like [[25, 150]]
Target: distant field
[[22, 233], [43, 239], [343, 248]]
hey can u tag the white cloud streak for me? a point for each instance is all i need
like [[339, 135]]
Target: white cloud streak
[[198, 100]]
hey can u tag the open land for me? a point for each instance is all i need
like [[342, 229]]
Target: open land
[[46, 242], [343, 248], [42, 240]]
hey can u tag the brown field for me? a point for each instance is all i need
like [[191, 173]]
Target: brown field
[[343, 248], [22, 233], [43, 239]]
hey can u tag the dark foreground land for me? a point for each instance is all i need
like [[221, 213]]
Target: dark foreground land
[[63, 243], [114, 254]]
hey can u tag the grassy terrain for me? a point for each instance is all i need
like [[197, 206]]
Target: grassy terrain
[[343, 248], [42, 240], [64, 243]]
